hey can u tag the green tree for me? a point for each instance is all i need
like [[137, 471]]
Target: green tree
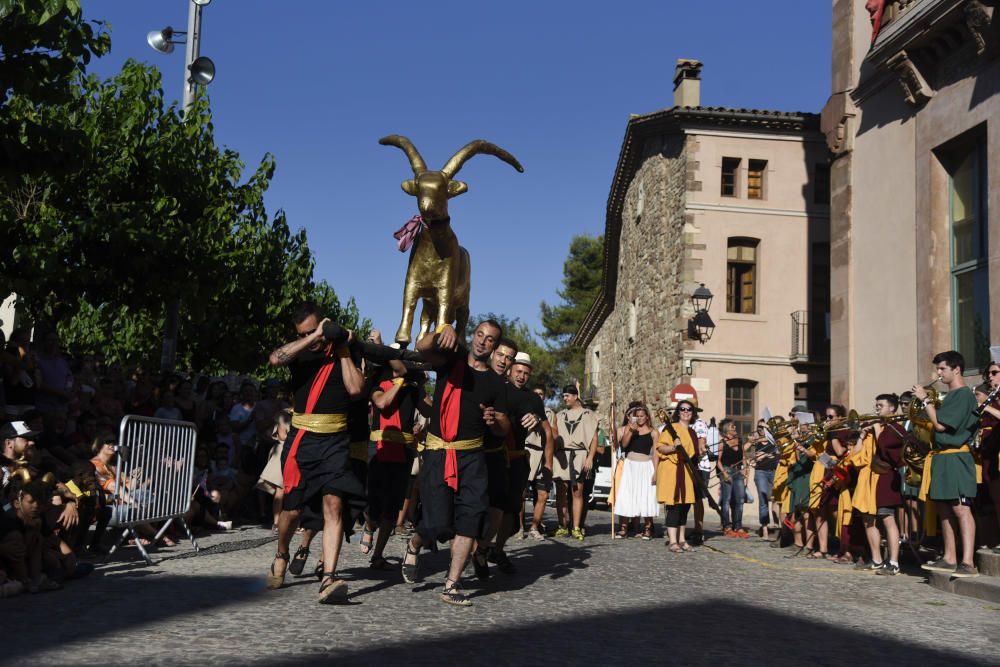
[[580, 285], [156, 213], [44, 44]]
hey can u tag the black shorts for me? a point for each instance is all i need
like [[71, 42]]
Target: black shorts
[[446, 513], [498, 474], [387, 485], [325, 469], [517, 483]]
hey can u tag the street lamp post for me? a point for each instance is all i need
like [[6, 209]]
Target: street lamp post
[[198, 71]]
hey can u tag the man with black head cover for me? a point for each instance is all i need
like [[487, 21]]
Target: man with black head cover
[[469, 401], [316, 459], [576, 447]]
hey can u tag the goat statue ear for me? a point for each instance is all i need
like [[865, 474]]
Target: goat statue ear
[[409, 187], [456, 188]]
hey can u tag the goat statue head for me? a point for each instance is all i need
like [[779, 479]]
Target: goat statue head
[[433, 189]]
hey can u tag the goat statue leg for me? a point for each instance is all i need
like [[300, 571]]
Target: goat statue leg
[[410, 296]]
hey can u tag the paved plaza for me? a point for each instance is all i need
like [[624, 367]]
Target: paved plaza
[[731, 602]]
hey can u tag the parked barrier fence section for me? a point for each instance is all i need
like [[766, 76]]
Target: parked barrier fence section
[[154, 476]]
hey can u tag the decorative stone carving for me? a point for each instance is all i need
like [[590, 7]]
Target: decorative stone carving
[[979, 20], [835, 123], [915, 87]]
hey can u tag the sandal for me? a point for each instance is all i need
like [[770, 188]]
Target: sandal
[[675, 548], [380, 563], [332, 591], [647, 533], [410, 571], [622, 534], [318, 572], [452, 594], [818, 555], [299, 561], [686, 547], [366, 547], [274, 581], [846, 559]]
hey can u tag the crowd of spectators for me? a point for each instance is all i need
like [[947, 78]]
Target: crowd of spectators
[[59, 425]]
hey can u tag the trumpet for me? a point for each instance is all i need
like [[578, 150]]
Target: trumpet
[[920, 424]]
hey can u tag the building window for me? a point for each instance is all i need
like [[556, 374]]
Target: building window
[[755, 179], [821, 184], [741, 276], [970, 285], [730, 170], [740, 405]]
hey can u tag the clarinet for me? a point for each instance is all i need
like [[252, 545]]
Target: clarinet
[[989, 399]]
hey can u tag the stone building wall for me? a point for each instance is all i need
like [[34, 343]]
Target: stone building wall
[[650, 281]]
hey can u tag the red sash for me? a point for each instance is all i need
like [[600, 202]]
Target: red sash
[[451, 402], [290, 474], [389, 420]]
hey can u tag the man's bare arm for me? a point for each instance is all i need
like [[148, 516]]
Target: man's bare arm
[[285, 354]]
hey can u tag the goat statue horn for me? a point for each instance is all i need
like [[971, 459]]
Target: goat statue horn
[[416, 162], [474, 148]]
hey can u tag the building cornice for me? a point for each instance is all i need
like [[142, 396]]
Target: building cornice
[[667, 122]]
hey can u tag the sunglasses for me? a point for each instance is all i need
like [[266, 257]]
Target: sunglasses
[[685, 410], [995, 372]]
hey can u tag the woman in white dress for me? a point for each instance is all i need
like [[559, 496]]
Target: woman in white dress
[[271, 480], [636, 493]]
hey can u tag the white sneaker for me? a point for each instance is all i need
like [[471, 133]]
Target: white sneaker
[[224, 525], [535, 535]]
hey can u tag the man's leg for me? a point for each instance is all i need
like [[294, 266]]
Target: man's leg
[[561, 504], [333, 532], [578, 501], [538, 510], [949, 524], [288, 520], [461, 547], [874, 538], [891, 537], [967, 529]]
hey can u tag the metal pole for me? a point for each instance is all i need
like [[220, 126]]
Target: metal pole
[[192, 49]]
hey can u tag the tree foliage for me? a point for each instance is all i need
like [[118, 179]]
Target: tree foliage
[[580, 285], [156, 212]]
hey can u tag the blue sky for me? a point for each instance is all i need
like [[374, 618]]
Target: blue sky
[[318, 83]]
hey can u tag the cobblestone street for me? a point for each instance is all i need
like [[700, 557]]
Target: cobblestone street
[[622, 601]]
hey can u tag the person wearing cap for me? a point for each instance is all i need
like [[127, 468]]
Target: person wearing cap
[[576, 447], [17, 439], [527, 415]]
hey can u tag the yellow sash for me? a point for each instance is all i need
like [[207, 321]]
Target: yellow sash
[[925, 483], [322, 423], [434, 442], [359, 450], [394, 436]]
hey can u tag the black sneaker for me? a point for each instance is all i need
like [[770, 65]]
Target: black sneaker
[[480, 565], [939, 565], [964, 570], [889, 569], [502, 561], [870, 566]]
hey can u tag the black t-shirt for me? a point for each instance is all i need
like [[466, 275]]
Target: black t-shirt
[[334, 397], [730, 456], [520, 402], [359, 415], [478, 388], [405, 402]]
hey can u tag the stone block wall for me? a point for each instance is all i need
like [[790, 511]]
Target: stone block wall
[[651, 277]]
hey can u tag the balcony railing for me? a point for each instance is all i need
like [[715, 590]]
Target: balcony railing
[[810, 339]]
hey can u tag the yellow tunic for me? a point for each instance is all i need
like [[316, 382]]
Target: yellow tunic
[[816, 477], [863, 498], [667, 489]]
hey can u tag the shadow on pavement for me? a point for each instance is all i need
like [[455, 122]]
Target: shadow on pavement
[[681, 635]]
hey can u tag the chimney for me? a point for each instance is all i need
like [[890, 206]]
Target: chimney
[[687, 83]]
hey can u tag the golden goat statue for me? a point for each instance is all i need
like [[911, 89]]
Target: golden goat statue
[[439, 271]]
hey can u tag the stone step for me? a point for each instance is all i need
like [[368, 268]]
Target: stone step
[[981, 587], [988, 562]]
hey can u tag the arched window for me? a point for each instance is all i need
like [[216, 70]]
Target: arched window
[[741, 275]]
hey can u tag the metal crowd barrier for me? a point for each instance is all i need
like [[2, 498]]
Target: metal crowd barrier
[[154, 476]]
